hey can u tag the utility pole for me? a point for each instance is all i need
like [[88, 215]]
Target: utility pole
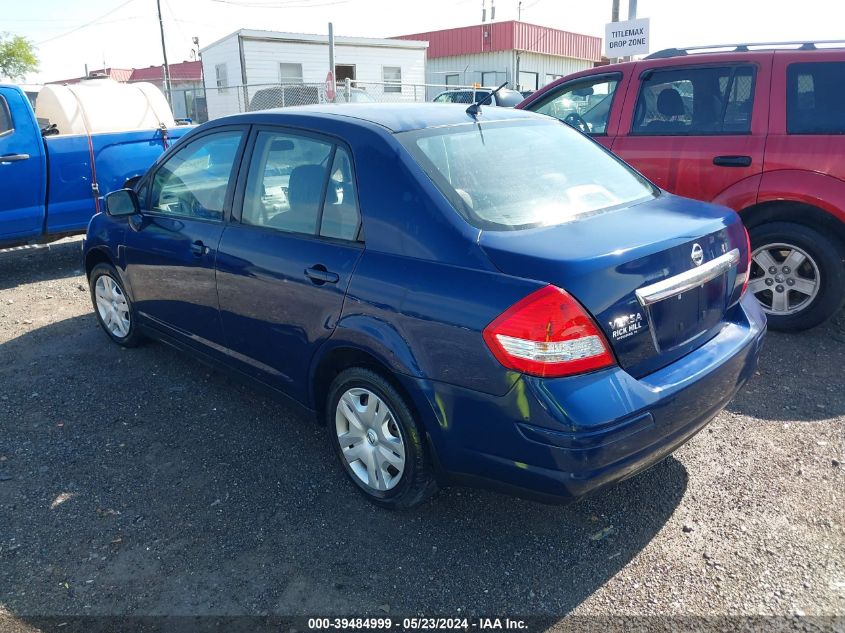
[[166, 67], [331, 53], [614, 17], [632, 15], [519, 11]]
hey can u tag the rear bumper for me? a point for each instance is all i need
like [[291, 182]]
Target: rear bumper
[[561, 439]]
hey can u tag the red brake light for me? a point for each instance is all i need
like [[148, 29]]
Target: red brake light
[[547, 334], [747, 262]]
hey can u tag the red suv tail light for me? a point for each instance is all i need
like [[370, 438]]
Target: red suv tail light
[[747, 262], [547, 334]]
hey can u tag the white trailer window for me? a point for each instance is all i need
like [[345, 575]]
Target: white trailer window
[[222, 77], [392, 76], [290, 73]]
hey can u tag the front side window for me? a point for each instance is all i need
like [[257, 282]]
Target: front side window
[[695, 101], [552, 174], [392, 76], [815, 98], [194, 181], [584, 104], [5, 117], [297, 184]]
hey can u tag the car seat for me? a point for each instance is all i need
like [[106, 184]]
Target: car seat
[[669, 104], [305, 192]]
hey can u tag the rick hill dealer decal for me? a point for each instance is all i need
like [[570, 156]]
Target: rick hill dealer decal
[[626, 326]]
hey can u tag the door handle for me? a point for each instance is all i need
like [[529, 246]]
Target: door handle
[[319, 275], [732, 161], [199, 249], [13, 158]]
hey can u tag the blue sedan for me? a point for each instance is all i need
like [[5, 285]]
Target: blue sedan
[[462, 297]]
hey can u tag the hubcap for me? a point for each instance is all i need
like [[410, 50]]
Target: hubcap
[[112, 306], [784, 278], [370, 439]]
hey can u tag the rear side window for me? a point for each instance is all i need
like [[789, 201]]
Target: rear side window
[[815, 98], [695, 101], [5, 117], [297, 184]]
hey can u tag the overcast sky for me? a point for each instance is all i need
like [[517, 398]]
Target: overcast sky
[[70, 34]]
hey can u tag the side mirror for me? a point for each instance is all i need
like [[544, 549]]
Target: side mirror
[[122, 202], [130, 182]]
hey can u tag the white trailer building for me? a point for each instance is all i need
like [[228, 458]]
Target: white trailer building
[[292, 67]]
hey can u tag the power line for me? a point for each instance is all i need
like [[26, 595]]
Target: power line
[[87, 24]]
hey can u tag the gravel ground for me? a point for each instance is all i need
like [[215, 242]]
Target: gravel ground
[[142, 483]]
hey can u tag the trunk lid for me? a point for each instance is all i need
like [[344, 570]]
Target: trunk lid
[[604, 259]]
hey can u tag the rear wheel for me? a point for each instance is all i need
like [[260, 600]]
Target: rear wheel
[[377, 440], [797, 275]]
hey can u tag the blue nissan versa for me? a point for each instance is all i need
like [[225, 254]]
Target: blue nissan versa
[[484, 298]]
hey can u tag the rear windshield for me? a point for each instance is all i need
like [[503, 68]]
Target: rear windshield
[[523, 174]]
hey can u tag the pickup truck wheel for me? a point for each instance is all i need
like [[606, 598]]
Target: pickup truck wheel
[[797, 275], [112, 306], [377, 440]]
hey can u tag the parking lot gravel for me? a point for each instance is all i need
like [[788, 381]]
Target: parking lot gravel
[[141, 482]]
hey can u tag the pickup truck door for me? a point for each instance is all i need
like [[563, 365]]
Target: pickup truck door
[[23, 170], [696, 129], [171, 247]]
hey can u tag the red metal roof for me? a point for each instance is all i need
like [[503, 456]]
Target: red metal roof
[[118, 74], [181, 71], [503, 36]]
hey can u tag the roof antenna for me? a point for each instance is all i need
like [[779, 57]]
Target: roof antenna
[[475, 108]]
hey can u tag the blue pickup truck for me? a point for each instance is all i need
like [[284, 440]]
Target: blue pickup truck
[[52, 185]]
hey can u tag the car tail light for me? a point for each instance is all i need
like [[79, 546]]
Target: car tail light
[[548, 334], [747, 262]]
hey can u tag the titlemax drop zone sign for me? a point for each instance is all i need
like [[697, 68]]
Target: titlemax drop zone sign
[[622, 39]]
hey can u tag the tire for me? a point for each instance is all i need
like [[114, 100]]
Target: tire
[[378, 434], [820, 274], [119, 322]]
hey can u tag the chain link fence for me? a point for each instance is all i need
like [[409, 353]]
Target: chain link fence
[[253, 97]]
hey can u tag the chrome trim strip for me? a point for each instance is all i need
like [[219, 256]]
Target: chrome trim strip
[[687, 280]]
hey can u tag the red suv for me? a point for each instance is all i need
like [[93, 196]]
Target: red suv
[[758, 128]]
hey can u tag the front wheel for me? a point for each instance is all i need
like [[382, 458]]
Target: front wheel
[[112, 306], [797, 275], [377, 440]]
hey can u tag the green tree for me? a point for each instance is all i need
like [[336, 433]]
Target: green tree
[[17, 56]]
